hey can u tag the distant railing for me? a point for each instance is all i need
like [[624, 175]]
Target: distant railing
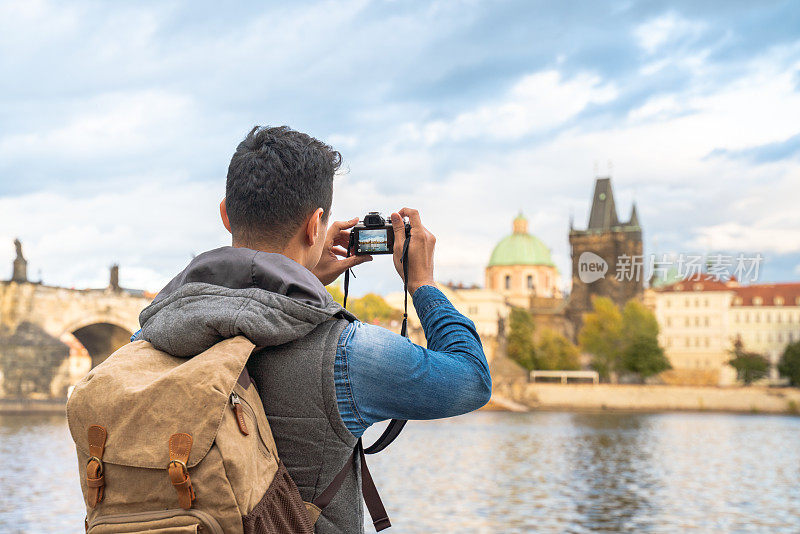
[[565, 376]]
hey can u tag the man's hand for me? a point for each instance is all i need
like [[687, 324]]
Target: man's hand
[[420, 249], [334, 261]]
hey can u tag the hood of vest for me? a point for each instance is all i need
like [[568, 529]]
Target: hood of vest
[[226, 292]]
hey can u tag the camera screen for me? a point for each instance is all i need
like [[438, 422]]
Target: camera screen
[[371, 241]]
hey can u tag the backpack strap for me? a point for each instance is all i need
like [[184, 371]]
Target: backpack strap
[[395, 425], [371, 496]]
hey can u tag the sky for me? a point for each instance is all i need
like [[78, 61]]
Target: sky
[[118, 121]]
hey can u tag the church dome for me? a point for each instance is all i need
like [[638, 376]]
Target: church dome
[[521, 248]]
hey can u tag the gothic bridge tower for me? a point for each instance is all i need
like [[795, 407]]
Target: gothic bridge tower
[[619, 244]]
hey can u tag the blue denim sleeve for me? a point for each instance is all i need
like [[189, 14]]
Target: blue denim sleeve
[[381, 375]]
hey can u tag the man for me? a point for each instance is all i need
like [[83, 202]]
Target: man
[[323, 376]]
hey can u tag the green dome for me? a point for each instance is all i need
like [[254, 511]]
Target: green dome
[[521, 248]]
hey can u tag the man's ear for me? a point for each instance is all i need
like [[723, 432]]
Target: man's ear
[[223, 212], [313, 227]]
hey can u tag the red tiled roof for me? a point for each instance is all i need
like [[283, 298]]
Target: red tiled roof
[[786, 294], [782, 294], [703, 282]]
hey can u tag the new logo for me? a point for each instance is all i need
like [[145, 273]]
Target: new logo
[[591, 267]]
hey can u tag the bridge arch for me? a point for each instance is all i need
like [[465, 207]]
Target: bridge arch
[[100, 335]]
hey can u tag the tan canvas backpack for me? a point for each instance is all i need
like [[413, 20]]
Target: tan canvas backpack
[[175, 445]]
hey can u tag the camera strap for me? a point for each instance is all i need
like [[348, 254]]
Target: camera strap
[[395, 425]]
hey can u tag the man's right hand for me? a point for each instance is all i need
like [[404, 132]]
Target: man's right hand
[[420, 249]]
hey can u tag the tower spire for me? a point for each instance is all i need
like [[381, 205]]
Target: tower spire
[[634, 220], [520, 224]]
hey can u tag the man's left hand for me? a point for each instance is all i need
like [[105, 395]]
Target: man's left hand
[[334, 261]]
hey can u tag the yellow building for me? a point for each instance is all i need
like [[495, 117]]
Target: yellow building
[[487, 309], [701, 319], [520, 273], [521, 267]]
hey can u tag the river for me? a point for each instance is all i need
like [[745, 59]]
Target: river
[[508, 472]]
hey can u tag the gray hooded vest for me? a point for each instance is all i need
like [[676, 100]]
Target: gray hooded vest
[[295, 324]]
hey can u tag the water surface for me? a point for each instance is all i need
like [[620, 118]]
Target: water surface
[[508, 472]]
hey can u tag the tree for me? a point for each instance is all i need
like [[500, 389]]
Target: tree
[[601, 335], [644, 356], [750, 366], [520, 345], [622, 342], [336, 292], [789, 365], [555, 352], [641, 353], [370, 308]]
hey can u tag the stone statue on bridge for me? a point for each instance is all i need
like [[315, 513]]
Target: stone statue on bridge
[[20, 274], [113, 279]]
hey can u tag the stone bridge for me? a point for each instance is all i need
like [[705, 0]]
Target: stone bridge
[[50, 337]]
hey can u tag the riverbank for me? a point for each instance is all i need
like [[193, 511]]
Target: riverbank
[[44, 406], [616, 397], [520, 396]]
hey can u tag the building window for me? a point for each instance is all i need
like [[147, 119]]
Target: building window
[[758, 317], [669, 321], [508, 282], [687, 302], [706, 321], [530, 281], [757, 301], [669, 303], [697, 321], [778, 301], [688, 322], [705, 303], [708, 343]]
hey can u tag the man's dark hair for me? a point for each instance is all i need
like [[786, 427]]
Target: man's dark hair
[[276, 179]]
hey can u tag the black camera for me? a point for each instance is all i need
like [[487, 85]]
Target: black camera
[[373, 235]]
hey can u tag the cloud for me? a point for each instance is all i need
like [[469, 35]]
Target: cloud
[[152, 232], [122, 124], [537, 102], [118, 124], [766, 153], [667, 29]]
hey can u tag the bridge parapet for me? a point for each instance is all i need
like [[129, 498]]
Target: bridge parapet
[[47, 332]]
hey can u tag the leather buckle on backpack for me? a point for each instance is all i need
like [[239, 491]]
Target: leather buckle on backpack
[[177, 470], [99, 463], [95, 480], [180, 463]]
